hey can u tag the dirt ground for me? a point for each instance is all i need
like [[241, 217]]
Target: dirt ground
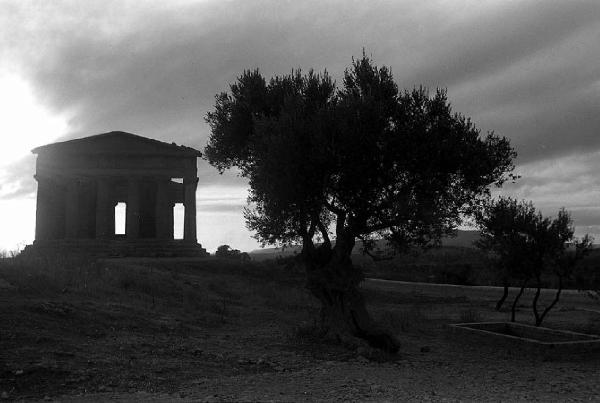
[[212, 330]]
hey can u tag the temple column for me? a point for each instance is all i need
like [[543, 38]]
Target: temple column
[[42, 212], [72, 209], [171, 221], [105, 212], [189, 202], [132, 219], [164, 210]]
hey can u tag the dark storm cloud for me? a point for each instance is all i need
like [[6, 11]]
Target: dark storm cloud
[[526, 69], [466, 49]]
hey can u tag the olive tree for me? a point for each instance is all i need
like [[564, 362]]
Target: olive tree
[[525, 246], [329, 166], [505, 226]]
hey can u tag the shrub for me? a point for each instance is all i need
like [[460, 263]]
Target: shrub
[[225, 251]]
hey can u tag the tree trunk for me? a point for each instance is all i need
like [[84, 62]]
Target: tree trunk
[[514, 305], [344, 317], [504, 296], [539, 320], [535, 301]]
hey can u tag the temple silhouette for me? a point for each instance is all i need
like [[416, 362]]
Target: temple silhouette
[[81, 181]]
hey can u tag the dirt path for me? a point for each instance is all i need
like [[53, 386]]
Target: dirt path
[[447, 372]]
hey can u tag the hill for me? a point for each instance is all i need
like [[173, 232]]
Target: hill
[[224, 330], [461, 239]]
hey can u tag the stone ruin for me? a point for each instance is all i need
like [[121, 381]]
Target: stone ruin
[[81, 181]]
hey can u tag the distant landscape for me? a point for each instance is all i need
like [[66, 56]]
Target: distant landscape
[[457, 261], [463, 239]]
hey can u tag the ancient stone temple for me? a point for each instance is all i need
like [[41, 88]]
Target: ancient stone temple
[[81, 181]]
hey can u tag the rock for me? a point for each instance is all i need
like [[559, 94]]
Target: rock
[[4, 395]]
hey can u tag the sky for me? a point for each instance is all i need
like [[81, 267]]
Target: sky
[[527, 70]]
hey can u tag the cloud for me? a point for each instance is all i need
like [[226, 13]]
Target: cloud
[[570, 181], [526, 69], [467, 47], [220, 207], [154, 69], [16, 179]]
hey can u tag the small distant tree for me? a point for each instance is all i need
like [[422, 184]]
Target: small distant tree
[[225, 251], [565, 254], [505, 226], [525, 246], [330, 166]]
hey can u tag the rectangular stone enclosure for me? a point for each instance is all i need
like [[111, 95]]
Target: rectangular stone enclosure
[[81, 181], [520, 338]]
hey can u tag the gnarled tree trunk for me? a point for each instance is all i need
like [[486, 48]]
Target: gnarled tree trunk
[[333, 279]]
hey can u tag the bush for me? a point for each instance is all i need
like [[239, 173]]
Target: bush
[[225, 251]]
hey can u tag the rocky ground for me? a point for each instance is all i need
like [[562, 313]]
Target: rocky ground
[[221, 331]]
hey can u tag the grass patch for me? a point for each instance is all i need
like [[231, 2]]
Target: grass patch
[[402, 318]]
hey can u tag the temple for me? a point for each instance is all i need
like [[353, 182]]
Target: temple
[[81, 181]]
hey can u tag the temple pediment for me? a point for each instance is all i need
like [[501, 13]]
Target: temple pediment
[[117, 143]]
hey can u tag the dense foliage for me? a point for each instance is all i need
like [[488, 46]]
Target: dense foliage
[[368, 157]]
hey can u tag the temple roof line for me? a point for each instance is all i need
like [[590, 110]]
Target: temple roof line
[[117, 142]]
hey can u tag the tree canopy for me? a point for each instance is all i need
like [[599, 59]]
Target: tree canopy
[[373, 160], [358, 161]]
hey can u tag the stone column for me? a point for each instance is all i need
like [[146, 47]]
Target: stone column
[[189, 202], [105, 212], [42, 212], [164, 210], [72, 209], [171, 222], [132, 219]]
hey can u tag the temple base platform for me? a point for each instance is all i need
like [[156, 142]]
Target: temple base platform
[[115, 248]]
